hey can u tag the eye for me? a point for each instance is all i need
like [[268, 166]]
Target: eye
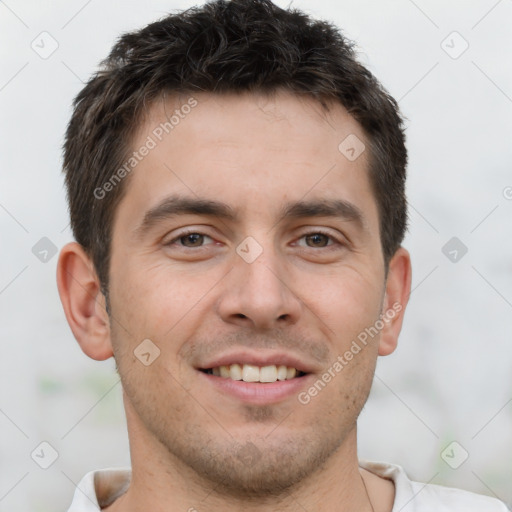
[[191, 240], [317, 239]]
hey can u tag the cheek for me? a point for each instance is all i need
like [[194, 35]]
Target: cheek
[[159, 302], [347, 302]]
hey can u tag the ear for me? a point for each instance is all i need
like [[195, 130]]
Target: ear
[[398, 289], [83, 302]]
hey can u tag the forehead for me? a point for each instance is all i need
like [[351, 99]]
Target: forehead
[[249, 150], [212, 116]]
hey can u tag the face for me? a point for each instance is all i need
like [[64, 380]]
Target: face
[[245, 240]]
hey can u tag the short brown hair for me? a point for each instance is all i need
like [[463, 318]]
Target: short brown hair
[[223, 46]]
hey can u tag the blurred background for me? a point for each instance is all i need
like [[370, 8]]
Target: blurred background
[[441, 406]]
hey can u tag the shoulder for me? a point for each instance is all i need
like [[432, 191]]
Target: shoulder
[[453, 500], [98, 489], [418, 497]]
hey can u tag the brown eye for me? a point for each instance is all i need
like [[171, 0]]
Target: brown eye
[[192, 240], [317, 240]]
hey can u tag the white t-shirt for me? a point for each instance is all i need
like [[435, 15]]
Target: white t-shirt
[[101, 488]]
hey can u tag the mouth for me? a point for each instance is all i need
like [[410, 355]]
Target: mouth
[[257, 378], [255, 374]]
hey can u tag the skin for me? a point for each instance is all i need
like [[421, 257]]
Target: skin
[[192, 446]]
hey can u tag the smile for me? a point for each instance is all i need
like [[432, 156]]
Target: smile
[[253, 373]]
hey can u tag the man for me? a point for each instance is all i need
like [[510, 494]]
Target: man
[[236, 188]]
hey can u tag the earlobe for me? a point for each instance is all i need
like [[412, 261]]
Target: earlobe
[[398, 289], [83, 302]]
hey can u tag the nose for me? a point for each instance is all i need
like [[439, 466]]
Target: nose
[[259, 294]]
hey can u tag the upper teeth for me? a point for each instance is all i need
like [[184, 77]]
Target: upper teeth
[[252, 373]]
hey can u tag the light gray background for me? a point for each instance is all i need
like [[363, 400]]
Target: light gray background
[[450, 379]]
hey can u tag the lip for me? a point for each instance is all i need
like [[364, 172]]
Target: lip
[[260, 358], [257, 393]]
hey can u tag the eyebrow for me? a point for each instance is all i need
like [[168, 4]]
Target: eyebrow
[[178, 205]]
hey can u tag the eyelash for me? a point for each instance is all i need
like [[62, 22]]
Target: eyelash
[[335, 242]]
